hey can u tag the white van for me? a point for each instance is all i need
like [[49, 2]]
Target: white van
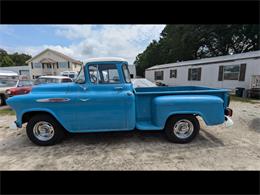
[[8, 79]]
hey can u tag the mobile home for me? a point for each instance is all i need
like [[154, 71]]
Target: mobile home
[[230, 71]]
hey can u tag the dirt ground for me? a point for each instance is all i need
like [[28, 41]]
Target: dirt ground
[[215, 148]]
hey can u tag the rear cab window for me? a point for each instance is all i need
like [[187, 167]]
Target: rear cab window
[[126, 73]]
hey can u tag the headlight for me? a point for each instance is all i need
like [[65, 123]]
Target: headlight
[[8, 92]]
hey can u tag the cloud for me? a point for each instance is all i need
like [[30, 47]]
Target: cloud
[[109, 40], [88, 41]]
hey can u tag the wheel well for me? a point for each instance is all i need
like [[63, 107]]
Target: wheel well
[[180, 115], [26, 117]]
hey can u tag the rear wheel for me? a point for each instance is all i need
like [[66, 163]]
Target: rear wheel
[[44, 130], [182, 128]]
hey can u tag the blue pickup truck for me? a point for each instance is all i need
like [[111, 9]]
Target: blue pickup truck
[[103, 99]]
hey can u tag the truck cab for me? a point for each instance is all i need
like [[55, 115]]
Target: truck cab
[[102, 98]]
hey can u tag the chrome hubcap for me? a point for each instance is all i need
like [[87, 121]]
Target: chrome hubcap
[[43, 131], [183, 129]]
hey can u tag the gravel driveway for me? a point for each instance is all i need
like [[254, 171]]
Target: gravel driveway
[[216, 148]]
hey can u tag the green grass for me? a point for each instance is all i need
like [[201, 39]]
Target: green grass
[[240, 99], [7, 112]]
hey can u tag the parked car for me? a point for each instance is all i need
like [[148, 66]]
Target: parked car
[[72, 74], [52, 79], [142, 83], [7, 79], [104, 99], [22, 87]]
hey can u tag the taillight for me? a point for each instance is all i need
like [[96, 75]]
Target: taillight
[[228, 112]]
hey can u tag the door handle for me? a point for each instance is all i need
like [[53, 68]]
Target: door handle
[[118, 88], [84, 100]]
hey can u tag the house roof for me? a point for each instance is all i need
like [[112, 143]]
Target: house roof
[[247, 55], [57, 53], [47, 60]]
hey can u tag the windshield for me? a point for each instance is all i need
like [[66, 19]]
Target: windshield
[[46, 80], [81, 76], [25, 83]]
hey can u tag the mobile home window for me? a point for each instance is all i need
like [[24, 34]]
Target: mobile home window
[[158, 75], [231, 72], [173, 73], [194, 74]]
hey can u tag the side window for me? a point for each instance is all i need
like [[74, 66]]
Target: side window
[[104, 74]]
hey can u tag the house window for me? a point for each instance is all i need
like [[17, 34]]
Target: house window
[[231, 72], [37, 65], [68, 64], [32, 64], [194, 74], [158, 75], [48, 66], [63, 64], [173, 73], [57, 65]]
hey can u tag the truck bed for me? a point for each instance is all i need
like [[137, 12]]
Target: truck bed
[[145, 96]]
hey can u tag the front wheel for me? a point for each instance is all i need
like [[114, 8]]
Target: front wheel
[[182, 128], [44, 130]]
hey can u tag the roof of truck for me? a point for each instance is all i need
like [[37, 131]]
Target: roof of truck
[[106, 59]]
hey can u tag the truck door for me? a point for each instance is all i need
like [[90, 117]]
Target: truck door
[[102, 106]]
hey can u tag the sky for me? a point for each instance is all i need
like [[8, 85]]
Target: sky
[[80, 41]]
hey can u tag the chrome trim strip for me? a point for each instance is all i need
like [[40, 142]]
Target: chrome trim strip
[[53, 100]]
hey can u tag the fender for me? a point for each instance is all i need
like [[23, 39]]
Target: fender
[[49, 111], [210, 108]]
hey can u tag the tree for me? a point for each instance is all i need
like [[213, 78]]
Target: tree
[[19, 59], [6, 61], [188, 42], [12, 59]]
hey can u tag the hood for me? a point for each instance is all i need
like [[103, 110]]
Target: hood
[[3, 89], [50, 88]]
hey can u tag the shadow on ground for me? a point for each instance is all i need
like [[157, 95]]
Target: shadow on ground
[[139, 137]]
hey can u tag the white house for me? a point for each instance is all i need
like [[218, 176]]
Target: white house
[[50, 62], [230, 71]]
